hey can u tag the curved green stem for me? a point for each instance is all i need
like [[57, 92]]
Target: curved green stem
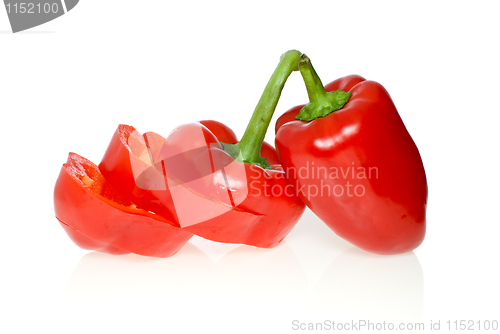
[[248, 149], [322, 103]]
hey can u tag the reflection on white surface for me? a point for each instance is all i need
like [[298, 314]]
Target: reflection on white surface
[[356, 284], [245, 274], [360, 285]]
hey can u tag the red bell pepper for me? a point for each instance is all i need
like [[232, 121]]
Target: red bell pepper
[[201, 178], [355, 165], [97, 217]]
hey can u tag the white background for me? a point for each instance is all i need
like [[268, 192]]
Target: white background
[[66, 85]]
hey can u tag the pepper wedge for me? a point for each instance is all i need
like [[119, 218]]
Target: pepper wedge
[[97, 217]]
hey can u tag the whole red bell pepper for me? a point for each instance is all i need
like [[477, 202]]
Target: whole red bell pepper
[[97, 217], [355, 165]]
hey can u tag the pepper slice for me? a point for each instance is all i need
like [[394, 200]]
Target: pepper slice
[[97, 217], [206, 181], [357, 167], [155, 192], [219, 199]]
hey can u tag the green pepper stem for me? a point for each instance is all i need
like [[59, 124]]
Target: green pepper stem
[[321, 103], [315, 89], [252, 139]]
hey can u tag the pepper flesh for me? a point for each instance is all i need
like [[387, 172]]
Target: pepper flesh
[[266, 212], [197, 180], [387, 213], [97, 217]]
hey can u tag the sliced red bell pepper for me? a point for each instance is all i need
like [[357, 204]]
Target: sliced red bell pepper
[[204, 180], [97, 217], [130, 153], [355, 165]]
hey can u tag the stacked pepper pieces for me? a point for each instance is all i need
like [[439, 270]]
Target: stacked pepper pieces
[[150, 194]]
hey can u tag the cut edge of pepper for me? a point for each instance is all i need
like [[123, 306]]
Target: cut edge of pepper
[[79, 167]]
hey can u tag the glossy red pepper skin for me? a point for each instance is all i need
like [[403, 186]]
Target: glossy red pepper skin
[[389, 217], [97, 217], [260, 218]]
